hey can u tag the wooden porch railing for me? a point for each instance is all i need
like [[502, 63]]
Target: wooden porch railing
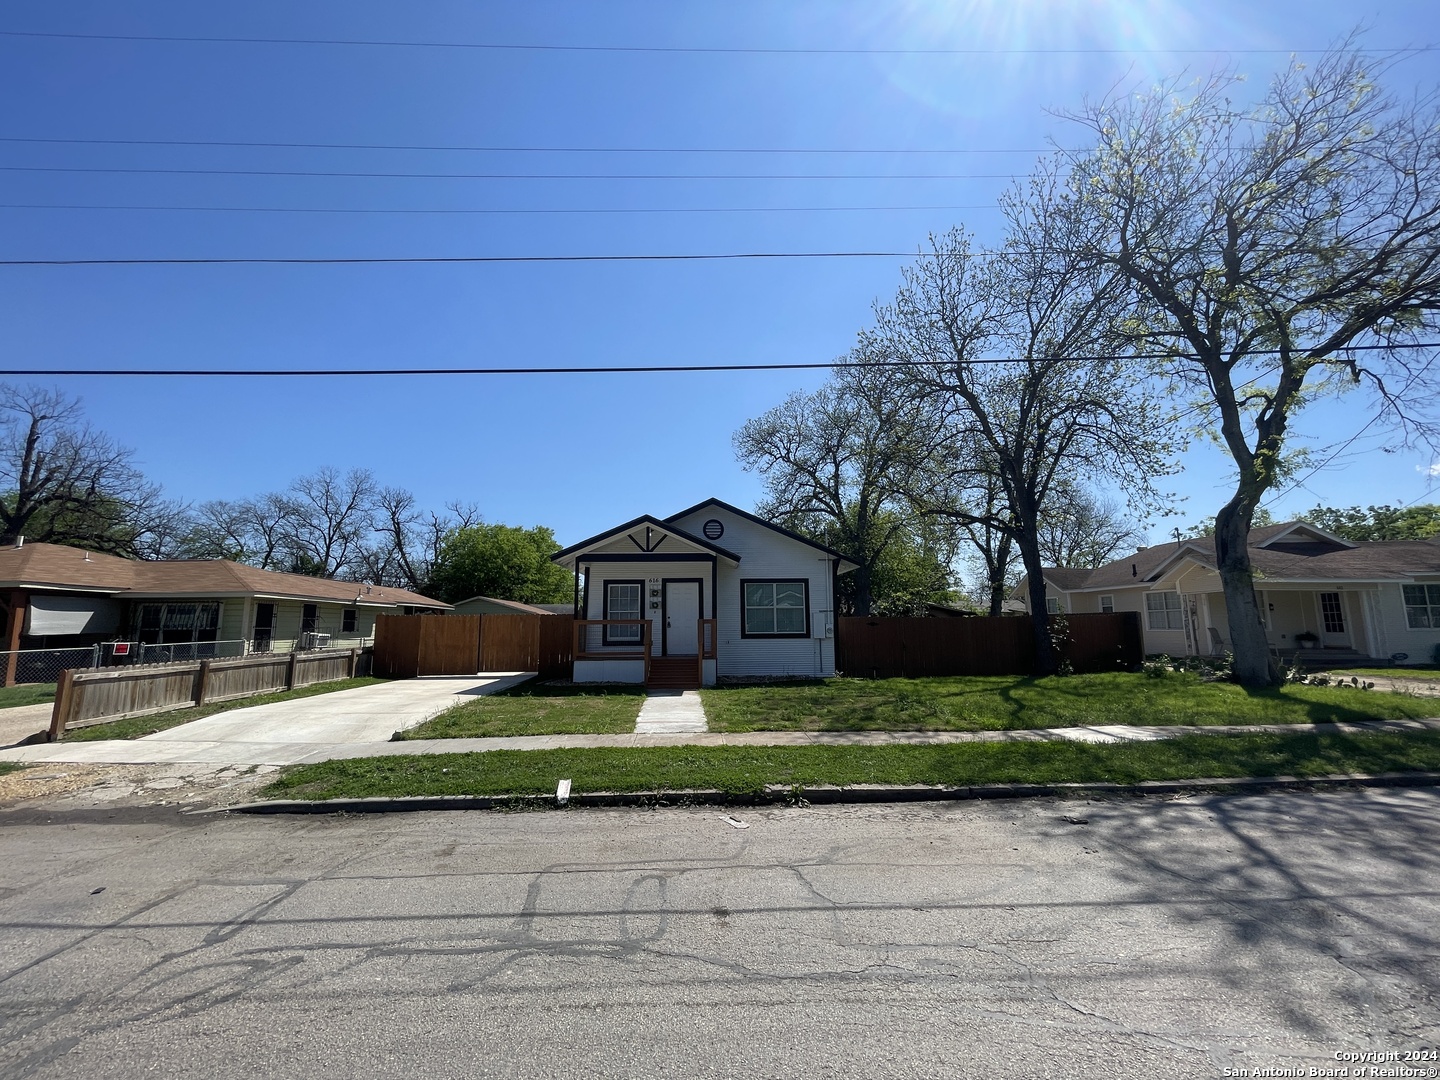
[[706, 631], [639, 651]]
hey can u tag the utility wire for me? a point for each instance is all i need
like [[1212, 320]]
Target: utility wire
[[517, 176], [724, 257], [632, 369], [521, 149], [682, 49], [543, 210]]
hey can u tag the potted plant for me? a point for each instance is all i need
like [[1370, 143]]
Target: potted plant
[[1306, 640]]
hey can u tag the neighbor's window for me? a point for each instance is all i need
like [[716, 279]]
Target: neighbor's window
[[1052, 605], [1107, 605], [347, 621], [775, 608], [622, 601], [1422, 607], [178, 623], [1162, 611]]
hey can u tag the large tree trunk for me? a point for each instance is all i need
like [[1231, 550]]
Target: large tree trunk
[[996, 569], [862, 590], [1253, 665], [1045, 658]]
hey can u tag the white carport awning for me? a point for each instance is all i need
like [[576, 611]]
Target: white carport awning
[[55, 616]]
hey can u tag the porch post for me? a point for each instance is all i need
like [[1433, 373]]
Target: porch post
[[18, 601]]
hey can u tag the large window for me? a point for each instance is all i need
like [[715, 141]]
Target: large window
[[164, 624], [1162, 611], [1422, 607], [622, 601], [775, 609]]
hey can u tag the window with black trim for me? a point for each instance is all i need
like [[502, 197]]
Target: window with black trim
[[775, 608], [347, 621], [623, 601]]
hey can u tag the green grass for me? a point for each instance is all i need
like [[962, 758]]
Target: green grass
[[531, 709], [9, 767], [1012, 702], [1409, 671], [28, 694], [743, 770], [139, 726]]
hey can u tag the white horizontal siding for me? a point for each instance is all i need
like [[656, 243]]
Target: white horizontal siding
[[766, 554]]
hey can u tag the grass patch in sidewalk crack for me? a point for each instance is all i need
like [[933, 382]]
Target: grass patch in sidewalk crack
[[746, 770]]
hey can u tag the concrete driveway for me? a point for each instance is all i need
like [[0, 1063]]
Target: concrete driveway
[[286, 732]]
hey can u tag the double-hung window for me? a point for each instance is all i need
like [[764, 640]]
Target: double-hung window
[[1422, 607], [1107, 605], [775, 609], [622, 601], [1052, 605], [1162, 611]]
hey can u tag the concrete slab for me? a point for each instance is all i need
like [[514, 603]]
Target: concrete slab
[[23, 721], [286, 732], [671, 712]]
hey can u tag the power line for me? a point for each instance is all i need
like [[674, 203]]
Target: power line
[[682, 49], [543, 210], [519, 149], [517, 176], [632, 369], [721, 257]]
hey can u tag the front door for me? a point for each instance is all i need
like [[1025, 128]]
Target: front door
[[1333, 622], [682, 616]]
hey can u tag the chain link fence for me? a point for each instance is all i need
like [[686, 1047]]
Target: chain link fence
[[45, 665]]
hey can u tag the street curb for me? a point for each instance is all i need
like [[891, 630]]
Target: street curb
[[776, 794]]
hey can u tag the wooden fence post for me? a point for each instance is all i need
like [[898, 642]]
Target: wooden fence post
[[60, 715], [354, 660], [290, 670], [202, 682]]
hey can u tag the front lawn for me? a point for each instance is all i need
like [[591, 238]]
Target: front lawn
[[531, 709], [747, 770], [26, 694], [137, 727], [989, 703]]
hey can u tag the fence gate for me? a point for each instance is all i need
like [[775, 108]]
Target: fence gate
[[510, 642]]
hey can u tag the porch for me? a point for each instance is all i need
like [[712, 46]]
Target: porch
[[1313, 627], [623, 650]]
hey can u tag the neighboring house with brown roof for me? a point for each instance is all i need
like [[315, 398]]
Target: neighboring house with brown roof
[[1379, 599], [490, 605], [62, 597]]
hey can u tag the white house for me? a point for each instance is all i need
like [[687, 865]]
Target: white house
[[1377, 599], [709, 592]]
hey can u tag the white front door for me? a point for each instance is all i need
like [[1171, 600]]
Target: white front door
[[1334, 624], [682, 614]]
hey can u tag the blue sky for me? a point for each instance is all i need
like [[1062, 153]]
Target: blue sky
[[577, 453]]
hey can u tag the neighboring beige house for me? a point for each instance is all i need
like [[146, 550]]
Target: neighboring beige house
[[62, 597], [1378, 599]]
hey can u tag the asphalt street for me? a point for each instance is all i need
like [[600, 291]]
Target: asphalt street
[[1044, 938]]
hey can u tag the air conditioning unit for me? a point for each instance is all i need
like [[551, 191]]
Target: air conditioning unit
[[314, 640]]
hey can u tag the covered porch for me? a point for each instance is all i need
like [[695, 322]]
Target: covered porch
[[646, 605], [1317, 624]]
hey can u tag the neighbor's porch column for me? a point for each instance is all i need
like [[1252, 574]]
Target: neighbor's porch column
[[18, 601]]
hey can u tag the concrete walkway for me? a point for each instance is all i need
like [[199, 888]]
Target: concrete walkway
[[671, 712], [313, 728], [23, 721]]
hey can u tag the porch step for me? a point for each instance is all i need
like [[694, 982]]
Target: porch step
[[674, 673]]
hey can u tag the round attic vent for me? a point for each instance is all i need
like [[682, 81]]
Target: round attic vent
[[713, 529]]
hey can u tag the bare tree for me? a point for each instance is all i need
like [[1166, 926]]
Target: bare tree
[[63, 482], [1274, 253], [837, 464], [1079, 528], [1012, 346], [329, 515]]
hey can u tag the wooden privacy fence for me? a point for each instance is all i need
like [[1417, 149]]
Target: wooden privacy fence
[[86, 697], [408, 646], [890, 648]]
